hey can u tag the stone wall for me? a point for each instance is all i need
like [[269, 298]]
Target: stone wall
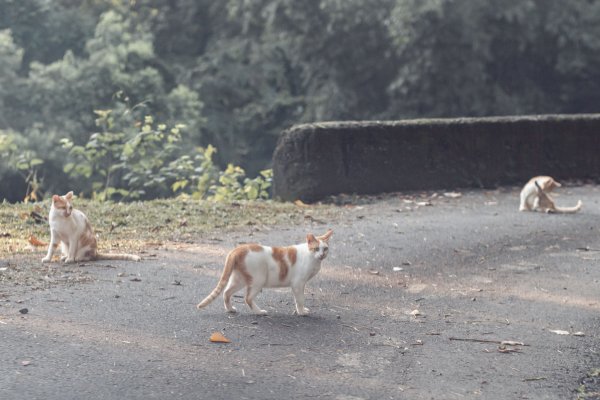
[[312, 161]]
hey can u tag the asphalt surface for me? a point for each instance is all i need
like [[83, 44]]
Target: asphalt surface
[[413, 302]]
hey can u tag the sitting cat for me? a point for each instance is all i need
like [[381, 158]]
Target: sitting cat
[[71, 228], [256, 266], [530, 192], [545, 203]]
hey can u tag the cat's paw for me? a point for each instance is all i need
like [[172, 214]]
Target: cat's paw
[[46, 259], [304, 312], [231, 310], [69, 260], [63, 258], [261, 312]]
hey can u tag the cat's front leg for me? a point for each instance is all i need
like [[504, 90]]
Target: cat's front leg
[[53, 239], [71, 251], [299, 299]]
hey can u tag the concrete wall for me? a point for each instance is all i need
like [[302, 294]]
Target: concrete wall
[[312, 161]]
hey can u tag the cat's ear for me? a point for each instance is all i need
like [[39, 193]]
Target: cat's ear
[[55, 198], [69, 195], [312, 241], [326, 236]]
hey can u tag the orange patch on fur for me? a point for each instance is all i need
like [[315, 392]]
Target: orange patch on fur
[[238, 260], [254, 247], [279, 254], [313, 243], [292, 255], [61, 204]]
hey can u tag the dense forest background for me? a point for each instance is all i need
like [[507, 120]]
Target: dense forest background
[[85, 83]]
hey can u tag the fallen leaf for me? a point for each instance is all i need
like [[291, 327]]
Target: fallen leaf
[[502, 349], [424, 203], [373, 272], [397, 269], [36, 242], [559, 332], [452, 195], [183, 223], [415, 313], [217, 337], [300, 203], [511, 343], [23, 311], [38, 218], [578, 334], [25, 363], [537, 378], [135, 280]]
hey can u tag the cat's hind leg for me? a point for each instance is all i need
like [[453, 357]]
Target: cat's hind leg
[[251, 293], [298, 291], [234, 284]]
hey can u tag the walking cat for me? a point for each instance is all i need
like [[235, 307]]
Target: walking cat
[[255, 266], [545, 203], [71, 228], [530, 192]]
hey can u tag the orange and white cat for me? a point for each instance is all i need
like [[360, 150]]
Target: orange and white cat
[[71, 228], [255, 266], [544, 203], [529, 193]]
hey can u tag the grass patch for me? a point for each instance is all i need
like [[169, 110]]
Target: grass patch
[[133, 226]]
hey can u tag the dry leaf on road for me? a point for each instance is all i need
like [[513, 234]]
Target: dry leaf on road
[[217, 337], [36, 242]]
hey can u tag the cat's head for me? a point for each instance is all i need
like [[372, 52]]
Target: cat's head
[[63, 204], [319, 245]]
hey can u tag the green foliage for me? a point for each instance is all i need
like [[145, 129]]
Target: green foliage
[[24, 162], [149, 161]]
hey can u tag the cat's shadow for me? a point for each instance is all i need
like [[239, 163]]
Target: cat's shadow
[[289, 328]]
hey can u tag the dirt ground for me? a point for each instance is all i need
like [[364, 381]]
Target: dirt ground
[[435, 297]]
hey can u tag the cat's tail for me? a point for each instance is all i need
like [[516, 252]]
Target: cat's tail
[[229, 265], [569, 210], [117, 256]]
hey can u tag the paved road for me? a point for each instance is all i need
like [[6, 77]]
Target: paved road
[[474, 272]]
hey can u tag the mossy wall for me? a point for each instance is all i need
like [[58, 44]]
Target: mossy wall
[[312, 161]]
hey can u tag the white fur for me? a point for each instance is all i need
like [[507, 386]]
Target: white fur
[[258, 269], [529, 193]]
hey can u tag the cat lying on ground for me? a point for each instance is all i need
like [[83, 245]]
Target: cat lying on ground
[[255, 266], [71, 228]]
